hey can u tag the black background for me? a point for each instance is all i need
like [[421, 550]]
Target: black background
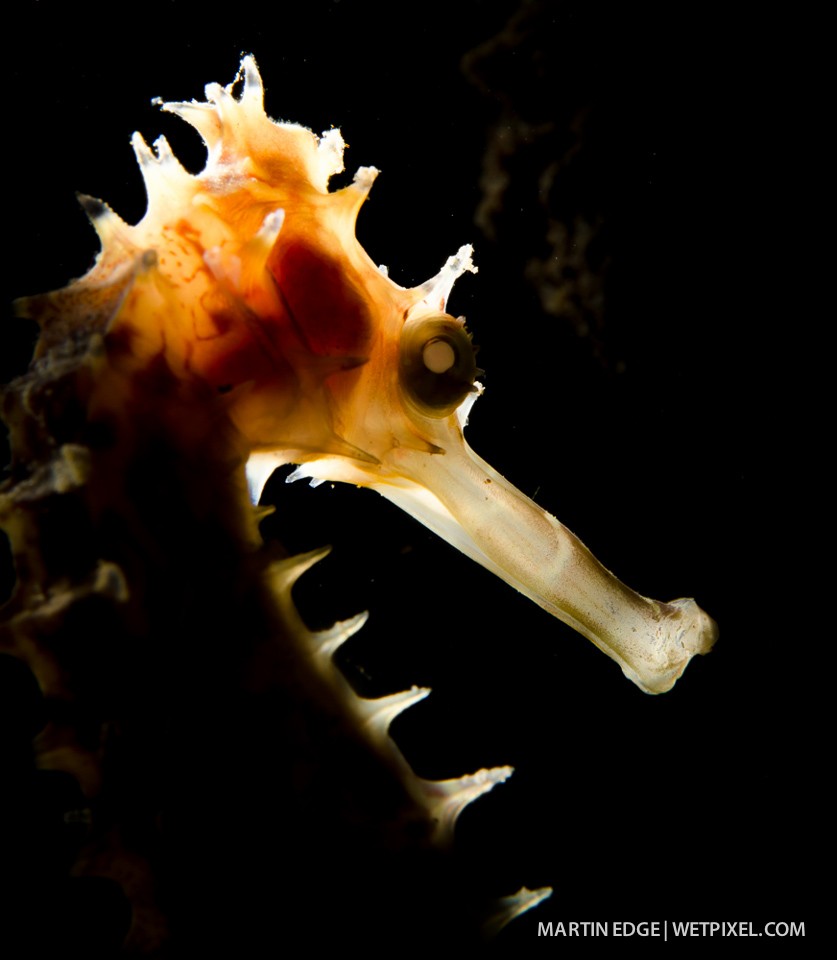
[[641, 423]]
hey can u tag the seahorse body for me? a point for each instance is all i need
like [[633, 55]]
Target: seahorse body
[[241, 325]]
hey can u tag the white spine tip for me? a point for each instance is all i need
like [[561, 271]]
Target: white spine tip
[[437, 289], [163, 150], [253, 91], [330, 147], [507, 908], [141, 149], [327, 641], [215, 93], [378, 714], [365, 177], [446, 799], [462, 261]]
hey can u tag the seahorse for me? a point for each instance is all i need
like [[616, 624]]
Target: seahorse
[[240, 326]]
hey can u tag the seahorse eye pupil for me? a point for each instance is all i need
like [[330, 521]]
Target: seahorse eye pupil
[[438, 355], [437, 368]]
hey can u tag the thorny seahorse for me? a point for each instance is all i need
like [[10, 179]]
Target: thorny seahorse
[[239, 326]]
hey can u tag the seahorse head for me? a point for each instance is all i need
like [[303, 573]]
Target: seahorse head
[[246, 281]]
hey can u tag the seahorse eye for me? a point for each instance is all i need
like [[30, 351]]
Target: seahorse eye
[[437, 368]]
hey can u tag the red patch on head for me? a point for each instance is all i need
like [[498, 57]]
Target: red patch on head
[[327, 308]]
